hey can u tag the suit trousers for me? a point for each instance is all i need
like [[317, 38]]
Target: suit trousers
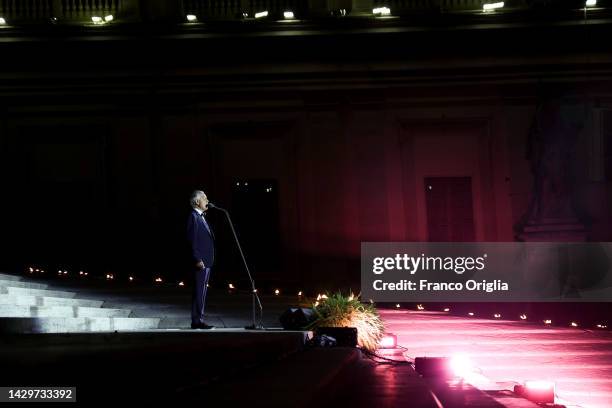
[[198, 301]]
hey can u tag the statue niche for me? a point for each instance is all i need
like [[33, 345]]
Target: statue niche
[[551, 141]]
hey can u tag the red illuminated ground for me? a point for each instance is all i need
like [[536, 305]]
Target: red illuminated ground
[[579, 361]]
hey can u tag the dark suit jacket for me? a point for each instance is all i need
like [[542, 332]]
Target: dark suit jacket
[[201, 240]]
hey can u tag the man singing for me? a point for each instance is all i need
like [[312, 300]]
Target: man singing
[[202, 243]]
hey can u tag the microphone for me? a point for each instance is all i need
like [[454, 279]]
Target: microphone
[[211, 205]]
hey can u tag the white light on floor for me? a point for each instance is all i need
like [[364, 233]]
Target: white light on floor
[[192, 18], [590, 3], [497, 315], [97, 20], [231, 286], [382, 11], [523, 316], [547, 321], [420, 307], [397, 306], [158, 280], [446, 309], [260, 15], [277, 292], [181, 283], [131, 279], [288, 15], [300, 293], [471, 314], [574, 324], [492, 6], [109, 18]]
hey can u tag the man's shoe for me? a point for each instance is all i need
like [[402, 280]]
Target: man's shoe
[[203, 326]]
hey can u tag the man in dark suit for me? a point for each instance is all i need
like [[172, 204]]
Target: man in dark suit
[[201, 240]]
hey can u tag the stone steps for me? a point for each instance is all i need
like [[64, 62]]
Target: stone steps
[[30, 300], [7, 277], [75, 324], [27, 306], [22, 284], [10, 310], [17, 291]]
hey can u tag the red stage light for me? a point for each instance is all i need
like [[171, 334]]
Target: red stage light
[[388, 341]]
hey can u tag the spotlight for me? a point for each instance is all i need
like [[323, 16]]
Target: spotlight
[[540, 392], [31, 269], [277, 292], [446, 309], [109, 18], [231, 286], [110, 276], [574, 324], [433, 367], [389, 341], [300, 293], [192, 18], [158, 280], [420, 307], [471, 314], [261, 14], [288, 15], [523, 316], [97, 20], [497, 316], [181, 283], [590, 3], [547, 321], [397, 306], [602, 326], [2, 21], [461, 365], [131, 278], [65, 272], [492, 6], [382, 11], [81, 273]]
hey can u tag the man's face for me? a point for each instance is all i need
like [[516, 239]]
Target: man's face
[[203, 203]]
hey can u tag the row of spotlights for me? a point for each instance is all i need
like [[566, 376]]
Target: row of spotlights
[[287, 15]]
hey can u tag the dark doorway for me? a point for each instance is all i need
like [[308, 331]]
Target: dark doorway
[[256, 216], [450, 215]]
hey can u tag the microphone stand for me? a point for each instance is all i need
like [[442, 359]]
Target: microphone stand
[[256, 301]]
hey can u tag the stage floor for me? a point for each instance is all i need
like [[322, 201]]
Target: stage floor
[[508, 352]]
